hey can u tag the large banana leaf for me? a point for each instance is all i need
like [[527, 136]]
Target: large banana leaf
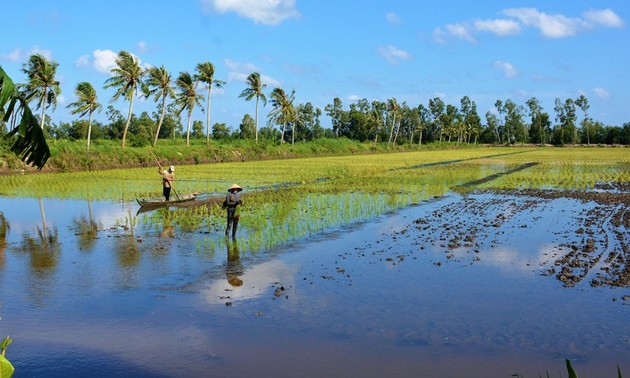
[[30, 144], [6, 369]]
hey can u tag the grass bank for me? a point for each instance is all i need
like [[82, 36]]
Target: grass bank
[[70, 156]]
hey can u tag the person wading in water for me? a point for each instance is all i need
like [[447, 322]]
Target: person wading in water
[[167, 181], [232, 201]]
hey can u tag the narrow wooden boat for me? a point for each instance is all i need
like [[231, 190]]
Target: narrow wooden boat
[[157, 202]]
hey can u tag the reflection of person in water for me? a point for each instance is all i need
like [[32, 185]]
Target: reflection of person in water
[[233, 269]]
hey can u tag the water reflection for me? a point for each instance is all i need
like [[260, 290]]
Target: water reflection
[[4, 230], [126, 246], [244, 283], [233, 268], [86, 229], [43, 249], [168, 229]]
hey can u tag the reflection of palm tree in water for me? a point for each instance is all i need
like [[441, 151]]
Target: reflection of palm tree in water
[[4, 230], [233, 269], [86, 230], [127, 251], [44, 250]]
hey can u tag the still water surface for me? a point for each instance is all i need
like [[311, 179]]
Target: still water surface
[[89, 289]]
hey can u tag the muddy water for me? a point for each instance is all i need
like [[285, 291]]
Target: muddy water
[[87, 289]]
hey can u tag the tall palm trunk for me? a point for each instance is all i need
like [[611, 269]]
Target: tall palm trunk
[[420, 139], [188, 128], [157, 132], [391, 132], [396, 136], [208, 115], [89, 134], [43, 109], [128, 122], [376, 137], [284, 127], [257, 119]]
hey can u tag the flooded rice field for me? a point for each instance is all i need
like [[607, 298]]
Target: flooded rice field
[[443, 280]]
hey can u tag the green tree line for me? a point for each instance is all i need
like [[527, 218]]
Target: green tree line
[[176, 97]]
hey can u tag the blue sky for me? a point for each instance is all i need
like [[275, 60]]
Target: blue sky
[[407, 49]]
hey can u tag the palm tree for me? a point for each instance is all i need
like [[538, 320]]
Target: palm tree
[[187, 98], [582, 103], [30, 144], [283, 111], [127, 78], [159, 85], [376, 121], [86, 104], [394, 109], [255, 89], [205, 74], [41, 85]]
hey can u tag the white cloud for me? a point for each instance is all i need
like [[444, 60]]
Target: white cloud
[[104, 60], [353, 98], [268, 12], [392, 18], [142, 47], [460, 31], [604, 17], [439, 35], [83, 61], [43, 52], [508, 69], [13, 56], [549, 25], [61, 99], [392, 54], [601, 93], [240, 71], [500, 27]]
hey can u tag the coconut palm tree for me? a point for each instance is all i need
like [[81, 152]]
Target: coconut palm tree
[[127, 78], [86, 104], [30, 144], [283, 111], [159, 85], [394, 109], [205, 74], [255, 89], [582, 103], [41, 85], [187, 97], [375, 117]]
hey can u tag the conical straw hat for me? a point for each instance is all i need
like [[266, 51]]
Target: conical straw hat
[[235, 186]]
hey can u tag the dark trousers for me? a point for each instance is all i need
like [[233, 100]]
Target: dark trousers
[[167, 193], [232, 221]]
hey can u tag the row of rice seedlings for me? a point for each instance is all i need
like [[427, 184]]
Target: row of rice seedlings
[[277, 217], [561, 177]]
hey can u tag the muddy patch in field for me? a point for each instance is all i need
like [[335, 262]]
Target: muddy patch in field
[[577, 238]]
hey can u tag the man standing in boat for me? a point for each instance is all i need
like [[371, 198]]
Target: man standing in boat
[[232, 201], [167, 181]]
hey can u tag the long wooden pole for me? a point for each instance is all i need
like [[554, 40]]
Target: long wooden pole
[[162, 169]]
